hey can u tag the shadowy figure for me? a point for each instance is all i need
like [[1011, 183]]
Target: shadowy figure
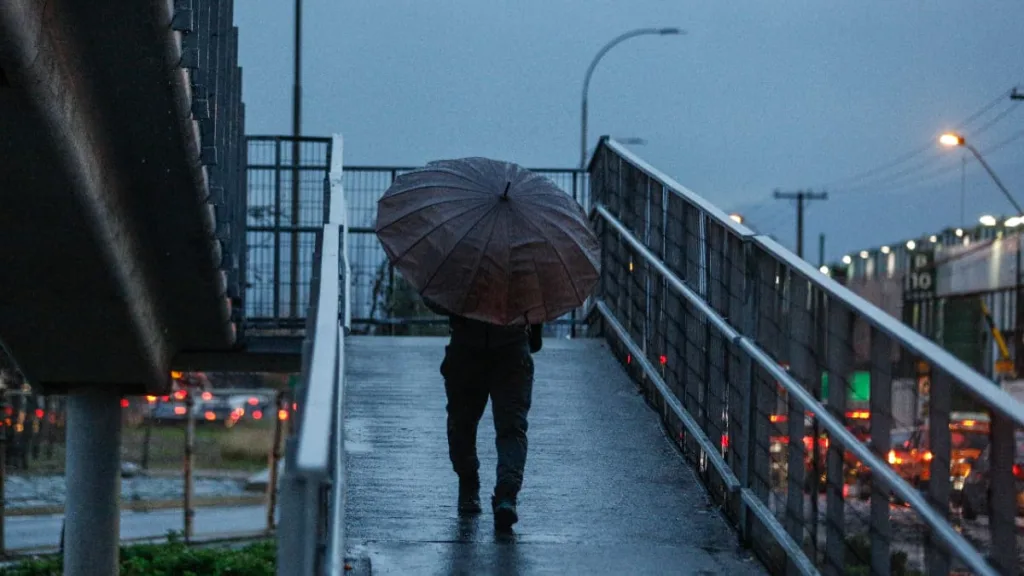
[[487, 360]]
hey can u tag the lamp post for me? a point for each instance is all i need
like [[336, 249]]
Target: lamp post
[[952, 139], [593, 64]]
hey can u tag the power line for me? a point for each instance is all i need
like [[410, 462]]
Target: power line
[[921, 150]]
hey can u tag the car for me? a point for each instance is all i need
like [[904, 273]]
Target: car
[[975, 494]]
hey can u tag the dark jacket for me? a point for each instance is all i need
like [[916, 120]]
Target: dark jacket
[[479, 334]]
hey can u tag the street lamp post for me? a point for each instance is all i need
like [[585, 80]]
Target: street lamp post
[[593, 64], [952, 139]]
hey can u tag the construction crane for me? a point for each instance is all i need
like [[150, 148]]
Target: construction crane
[[1004, 366]]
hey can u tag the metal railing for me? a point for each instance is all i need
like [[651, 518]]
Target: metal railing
[[286, 210], [311, 533], [776, 382]]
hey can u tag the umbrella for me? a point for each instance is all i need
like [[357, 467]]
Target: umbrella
[[489, 240]]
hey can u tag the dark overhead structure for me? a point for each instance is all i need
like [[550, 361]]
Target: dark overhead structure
[[122, 188]]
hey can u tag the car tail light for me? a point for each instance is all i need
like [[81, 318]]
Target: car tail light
[[179, 410], [253, 401], [210, 416], [257, 414], [892, 457], [928, 456], [282, 414], [207, 396], [124, 403], [1018, 471]]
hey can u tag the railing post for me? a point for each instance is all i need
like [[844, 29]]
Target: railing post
[[880, 400], [940, 402], [840, 365], [751, 298], [801, 365]]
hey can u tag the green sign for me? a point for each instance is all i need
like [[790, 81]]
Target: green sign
[[859, 387]]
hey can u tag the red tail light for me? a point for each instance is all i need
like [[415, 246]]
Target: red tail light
[[40, 413], [1018, 471], [124, 403]]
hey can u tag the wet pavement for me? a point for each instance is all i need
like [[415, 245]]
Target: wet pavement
[[605, 491]]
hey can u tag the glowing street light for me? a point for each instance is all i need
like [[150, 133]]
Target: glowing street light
[[1013, 222], [933, 238], [951, 139], [847, 260], [823, 270], [885, 250], [864, 254], [911, 244], [959, 232], [737, 218], [988, 220]]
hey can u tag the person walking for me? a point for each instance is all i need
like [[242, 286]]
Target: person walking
[[500, 250], [481, 361]]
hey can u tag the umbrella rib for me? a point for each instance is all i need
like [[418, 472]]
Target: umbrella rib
[[431, 231], [457, 242], [490, 236], [421, 208], [544, 216], [449, 171], [434, 185], [558, 254]]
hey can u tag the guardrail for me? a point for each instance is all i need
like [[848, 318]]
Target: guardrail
[[311, 534], [756, 362]]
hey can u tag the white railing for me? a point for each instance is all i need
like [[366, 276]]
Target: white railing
[[311, 533]]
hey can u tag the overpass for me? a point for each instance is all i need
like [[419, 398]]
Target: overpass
[[680, 431], [695, 412]]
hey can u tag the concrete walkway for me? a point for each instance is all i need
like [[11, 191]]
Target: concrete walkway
[[605, 491]]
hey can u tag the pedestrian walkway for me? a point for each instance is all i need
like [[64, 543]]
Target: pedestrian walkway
[[605, 491]]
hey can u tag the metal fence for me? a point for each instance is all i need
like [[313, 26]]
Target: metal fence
[[382, 303], [788, 393], [286, 210], [312, 503]]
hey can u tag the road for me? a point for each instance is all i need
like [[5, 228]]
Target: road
[[30, 532]]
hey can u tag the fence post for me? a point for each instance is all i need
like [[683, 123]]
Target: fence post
[[190, 437], [747, 389]]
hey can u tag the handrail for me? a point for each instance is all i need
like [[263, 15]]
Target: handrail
[[313, 485], [951, 538], [997, 398]]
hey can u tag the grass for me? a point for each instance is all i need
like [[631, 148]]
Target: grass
[[245, 447]]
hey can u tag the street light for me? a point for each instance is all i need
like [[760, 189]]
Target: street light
[[590, 71], [911, 244], [737, 218], [847, 260], [954, 139]]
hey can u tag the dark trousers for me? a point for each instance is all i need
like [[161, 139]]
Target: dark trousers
[[504, 374]]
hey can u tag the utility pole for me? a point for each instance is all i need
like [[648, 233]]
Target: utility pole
[[293, 300], [801, 197]]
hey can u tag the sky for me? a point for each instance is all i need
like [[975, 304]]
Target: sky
[[843, 97]]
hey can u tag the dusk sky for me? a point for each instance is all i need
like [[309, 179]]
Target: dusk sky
[[757, 96]]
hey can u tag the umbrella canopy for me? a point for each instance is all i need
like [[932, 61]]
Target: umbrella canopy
[[489, 240]]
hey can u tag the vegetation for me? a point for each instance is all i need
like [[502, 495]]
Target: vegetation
[[172, 558], [858, 558], [395, 299]]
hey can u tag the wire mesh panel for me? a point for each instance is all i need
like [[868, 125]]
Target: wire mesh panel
[[382, 301], [287, 200], [836, 438]]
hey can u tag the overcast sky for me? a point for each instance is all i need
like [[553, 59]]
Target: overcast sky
[[758, 96]]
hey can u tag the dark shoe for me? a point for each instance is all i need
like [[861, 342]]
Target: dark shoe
[[469, 498], [504, 512]]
